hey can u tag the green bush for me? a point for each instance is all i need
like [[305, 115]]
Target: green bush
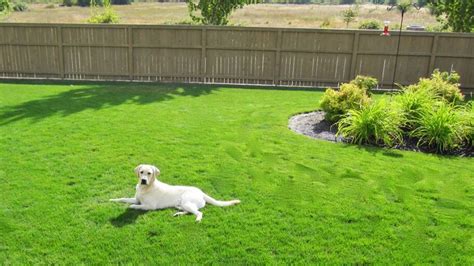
[[326, 23], [366, 83], [444, 85], [450, 77], [370, 24], [375, 123], [69, 2], [108, 16], [20, 7], [338, 103], [442, 127], [88, 2], [121, 2], [5, 6], [468, 122]]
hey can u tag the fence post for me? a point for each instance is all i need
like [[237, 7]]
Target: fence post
[[203, 54], [59, 37], [276, 70], [355, 49], [434, 47], [130, 52]]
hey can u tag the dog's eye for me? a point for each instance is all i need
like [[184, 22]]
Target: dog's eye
[[149, 173], [141, 172]]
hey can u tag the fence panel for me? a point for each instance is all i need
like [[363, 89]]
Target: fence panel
[[456, 53], [29, 51], [242, 55]]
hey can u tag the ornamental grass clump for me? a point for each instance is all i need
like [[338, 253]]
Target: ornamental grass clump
[[376, 123], [430, 114], [442, 127], [412, 102]]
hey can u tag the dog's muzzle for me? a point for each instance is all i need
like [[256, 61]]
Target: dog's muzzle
[[143, 182]]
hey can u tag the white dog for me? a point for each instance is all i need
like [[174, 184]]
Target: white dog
[[152, 194]]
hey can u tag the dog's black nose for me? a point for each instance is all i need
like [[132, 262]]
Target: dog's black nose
[[143, 182]]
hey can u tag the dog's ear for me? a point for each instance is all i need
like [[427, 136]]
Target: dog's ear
[[137, 169], [156, 171]]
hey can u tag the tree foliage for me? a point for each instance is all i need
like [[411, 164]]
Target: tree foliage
[[214, 12], [455, 14], [5, 6], [349, 16]]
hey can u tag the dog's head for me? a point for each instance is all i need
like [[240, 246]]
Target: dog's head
[[146, 174]]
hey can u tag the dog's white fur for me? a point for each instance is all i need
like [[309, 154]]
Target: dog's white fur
[[152, 194]]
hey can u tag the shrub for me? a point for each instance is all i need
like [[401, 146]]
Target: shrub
[[337, 103], [444, 85], [436, 28], [375, 123], [412, 102], [450, 77], [326, 23], [5, 6], [121, 2], [20, 7], [366, 83], [468, 122], [108, 16], [88, 2], [441, 127], [370, 24], [68, 2]]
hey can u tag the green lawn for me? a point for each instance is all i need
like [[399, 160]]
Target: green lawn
[[66, 149]]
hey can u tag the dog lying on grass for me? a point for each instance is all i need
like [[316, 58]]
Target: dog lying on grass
[[152, 194]]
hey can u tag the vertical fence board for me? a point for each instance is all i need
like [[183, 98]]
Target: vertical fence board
[[355, 49]]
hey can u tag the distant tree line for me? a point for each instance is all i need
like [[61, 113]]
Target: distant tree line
[[340, 2], [325, 2]]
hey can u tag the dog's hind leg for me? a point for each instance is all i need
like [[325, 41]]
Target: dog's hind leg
[[192, 208]]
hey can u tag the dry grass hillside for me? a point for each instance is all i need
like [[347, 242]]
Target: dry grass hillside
[[264, 15]]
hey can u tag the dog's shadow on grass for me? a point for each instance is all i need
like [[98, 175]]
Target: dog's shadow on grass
[[129, 216]]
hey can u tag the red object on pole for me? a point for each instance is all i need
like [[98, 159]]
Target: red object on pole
[[385, 29]]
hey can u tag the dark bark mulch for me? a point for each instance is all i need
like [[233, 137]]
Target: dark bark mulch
[[314, 125]]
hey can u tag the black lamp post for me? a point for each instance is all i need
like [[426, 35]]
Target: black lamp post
[[403, 8]]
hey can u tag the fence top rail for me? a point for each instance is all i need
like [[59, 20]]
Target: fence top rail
[[394, 32]]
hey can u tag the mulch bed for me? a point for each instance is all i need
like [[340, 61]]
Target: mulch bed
[[314, 125]]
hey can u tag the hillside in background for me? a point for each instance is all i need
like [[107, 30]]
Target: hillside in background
[[261, 15]]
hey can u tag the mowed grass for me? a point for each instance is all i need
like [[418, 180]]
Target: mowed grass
[[66, 149], [262, 15]]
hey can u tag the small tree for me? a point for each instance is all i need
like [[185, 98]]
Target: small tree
[[215, 12], [107, 16], [5, 6], [349, 16], [455, 14]]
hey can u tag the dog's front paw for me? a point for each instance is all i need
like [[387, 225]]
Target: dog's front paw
[[114, 200]]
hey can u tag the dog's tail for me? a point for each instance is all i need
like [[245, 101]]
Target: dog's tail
[[219, 203]]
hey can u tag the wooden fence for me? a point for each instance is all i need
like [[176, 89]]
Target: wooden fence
[[237, 55]]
